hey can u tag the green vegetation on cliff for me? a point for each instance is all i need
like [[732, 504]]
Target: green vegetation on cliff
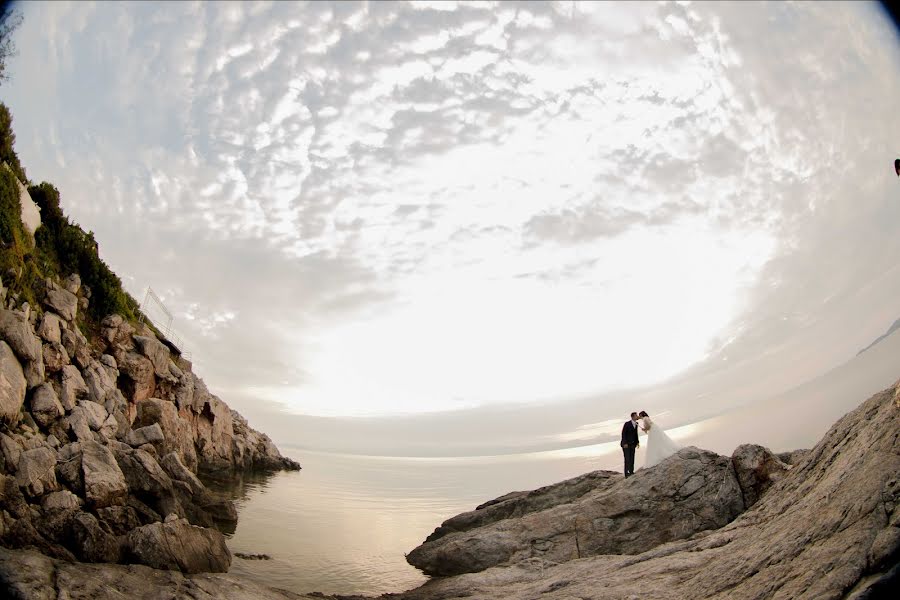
[[60, 247]]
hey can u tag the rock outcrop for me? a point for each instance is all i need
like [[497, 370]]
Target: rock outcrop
[[26, 574], [828, 527], [101, 442], [691, 492], [757, 469], [179, 546]]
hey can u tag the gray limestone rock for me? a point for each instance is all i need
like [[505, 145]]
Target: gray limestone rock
[[178, 545], [793, 457], [73, 387], [45, 406], [11, 498], [110, 427], [12, 385], [34, 371], [49, 328], [36, 473], [61, 500], [62, 302], [157, 352], [68, 467], [72, 283], [90, 542], [17, 332], [29, 574], [77, 346], [757, 469], [119, 519], [104, 482], [94, 413], [55, 357], [98, 381], [138, 370], [10, 452], [178, 433], [143, 474], [145, 435], [692, 491], [176, 470]]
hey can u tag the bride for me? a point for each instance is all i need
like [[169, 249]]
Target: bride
[[659, 445]]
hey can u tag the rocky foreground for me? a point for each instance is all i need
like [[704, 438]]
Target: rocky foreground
[[822, 523], [101, 444]]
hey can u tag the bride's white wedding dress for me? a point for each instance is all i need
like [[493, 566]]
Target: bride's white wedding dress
[[659, 445]]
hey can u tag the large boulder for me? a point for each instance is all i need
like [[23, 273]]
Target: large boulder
[[140, 380], [117, 332], [757, 468], [178, 434], [34, 371], [12, 385], [692, 491], [28, 574], [68, 467], [177, 471], [151, 434], [89, 542], [36, 473], [17, 331], [94, 413], [49, 329], [179, 546], [72, 283], [99, 382], [77, 346], [80, 533], [77, 423], [73, 387], [143, 474], [62, 302], [11, 498], [61, 500], [55, 357], [157, 352], [9, 453], [45, 406], [119, 519], [104, 482]]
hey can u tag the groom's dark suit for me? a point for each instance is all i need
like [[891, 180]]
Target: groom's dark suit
[[630, 443]]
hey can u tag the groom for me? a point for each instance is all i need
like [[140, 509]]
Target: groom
[[630, 442]]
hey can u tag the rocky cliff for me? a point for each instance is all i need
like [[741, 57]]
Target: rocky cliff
[[101, 441], [824, 523], [820, 523]]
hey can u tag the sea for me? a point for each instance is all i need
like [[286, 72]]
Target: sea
[[343, 524]]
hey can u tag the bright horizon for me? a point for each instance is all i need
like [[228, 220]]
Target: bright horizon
[[366, 210]]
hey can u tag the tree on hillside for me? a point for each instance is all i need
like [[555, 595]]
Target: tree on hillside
[[9, 22]]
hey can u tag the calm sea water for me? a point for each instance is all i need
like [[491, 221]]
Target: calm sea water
[[343, 523]]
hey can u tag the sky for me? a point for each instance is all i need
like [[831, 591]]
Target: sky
[[376, 210]]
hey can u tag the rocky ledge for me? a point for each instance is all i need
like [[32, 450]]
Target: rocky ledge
[[823, 523], [101, 442]]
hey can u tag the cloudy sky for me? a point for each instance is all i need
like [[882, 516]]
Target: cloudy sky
[[386, 208]]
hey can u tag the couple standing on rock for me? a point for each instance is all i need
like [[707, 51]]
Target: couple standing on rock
[[659, 445]]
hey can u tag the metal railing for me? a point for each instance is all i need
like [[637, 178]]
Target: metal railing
[[153, 309]]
